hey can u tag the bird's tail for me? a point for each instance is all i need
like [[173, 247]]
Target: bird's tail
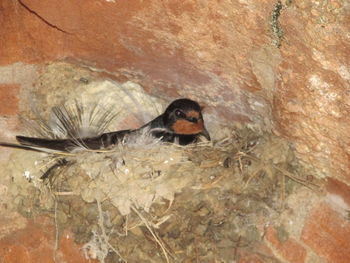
[[45, 145], [25, 147], [49, 144]]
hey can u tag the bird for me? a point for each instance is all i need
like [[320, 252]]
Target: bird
[[181, 123]]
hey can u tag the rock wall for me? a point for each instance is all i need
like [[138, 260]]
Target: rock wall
[[312, 100], [279, 65]]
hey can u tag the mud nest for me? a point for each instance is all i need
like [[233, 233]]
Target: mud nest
[[160, 202]]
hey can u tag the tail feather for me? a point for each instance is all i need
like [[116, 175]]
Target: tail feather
[[67, 145], [25, 147], [58, 145]]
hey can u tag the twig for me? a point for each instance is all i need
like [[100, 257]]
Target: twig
[[293, 177], [251, 177], [210, 184], [286, 173], [283, 191], [126, 224], [64, 153], [64, 193], [56, 232], [236, 248], [49, 162], [165, 252]]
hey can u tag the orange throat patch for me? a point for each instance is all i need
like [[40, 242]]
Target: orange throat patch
[[187, 127]]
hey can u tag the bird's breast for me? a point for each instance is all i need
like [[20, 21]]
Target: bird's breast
[[187, 127]]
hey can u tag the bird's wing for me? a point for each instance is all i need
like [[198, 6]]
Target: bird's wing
[[105, 140]]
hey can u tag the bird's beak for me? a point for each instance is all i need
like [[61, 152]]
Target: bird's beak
[[205, 133]]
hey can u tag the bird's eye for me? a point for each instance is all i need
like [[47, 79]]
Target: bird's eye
[[180, 114]]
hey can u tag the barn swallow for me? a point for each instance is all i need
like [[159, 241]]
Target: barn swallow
[[182, 123]]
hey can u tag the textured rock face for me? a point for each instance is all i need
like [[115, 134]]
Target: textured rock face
[[213, 51], [282, 65], [222, 53], [32, 241], [312, 101]]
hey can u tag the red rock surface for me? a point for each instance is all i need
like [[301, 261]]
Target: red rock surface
[[261, 254], [9, 106], [173, 48], [289, 249], [328, 234], [312, 102], [35, 243], [338, 188], [221, 53], [251, 259], [9, 99]]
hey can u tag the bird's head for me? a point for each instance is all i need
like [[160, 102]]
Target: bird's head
[[184, 116]]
